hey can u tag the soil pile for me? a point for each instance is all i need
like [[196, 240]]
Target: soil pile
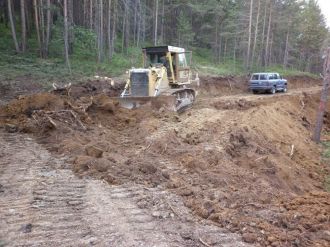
[[248, 165], [95, 86]]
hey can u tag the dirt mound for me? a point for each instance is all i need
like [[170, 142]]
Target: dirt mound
[[219, 86], [303, 82], [27, 104], [97, 86]]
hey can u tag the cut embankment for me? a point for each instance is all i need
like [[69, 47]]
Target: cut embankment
[[230, 85]]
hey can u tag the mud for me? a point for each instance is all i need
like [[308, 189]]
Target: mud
[[244, 162]]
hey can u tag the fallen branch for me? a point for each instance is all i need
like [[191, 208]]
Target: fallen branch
[[260, 158], [302, 104], [292, 151], [50, 115], [83, 108], [203, 242], [51, 121], [231, 88], [59, 88]]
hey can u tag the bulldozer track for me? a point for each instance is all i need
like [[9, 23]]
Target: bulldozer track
[[42, 203]]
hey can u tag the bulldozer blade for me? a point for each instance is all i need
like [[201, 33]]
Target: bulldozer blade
[[167, 102]]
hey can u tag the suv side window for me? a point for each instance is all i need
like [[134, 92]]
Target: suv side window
[[255, 77], [270, 76], [263, 77], [275, 77]]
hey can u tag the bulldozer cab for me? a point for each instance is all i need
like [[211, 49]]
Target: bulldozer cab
[[176, 61]]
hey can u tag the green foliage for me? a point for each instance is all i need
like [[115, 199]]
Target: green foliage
[[46, 71], [84, 42], [202, 62], [287, 72], [184, 30]]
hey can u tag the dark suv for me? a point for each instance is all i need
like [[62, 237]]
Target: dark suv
[[268, 82]]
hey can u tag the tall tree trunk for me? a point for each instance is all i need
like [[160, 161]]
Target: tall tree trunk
[[216, 42], [144, 23], [220, 47], [85, 13], [48, 28], [127, 28], [268, 35], [270, 59], [162, 34], [250, 35], [12, 25], [262, 50], [286, 52], [100, 31], [42, 27], [225, 49], [91, 14], [139, 24], [27, 19], [124, 27], [109, 29], [114, 27], [256, 34], [70, 25], [156, 23], [135, 21], [23, 26], [66, 34], [36, 21]]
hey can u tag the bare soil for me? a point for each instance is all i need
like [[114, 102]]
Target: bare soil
[[244, 162]]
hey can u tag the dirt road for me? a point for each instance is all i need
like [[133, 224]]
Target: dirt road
[[42, 203]]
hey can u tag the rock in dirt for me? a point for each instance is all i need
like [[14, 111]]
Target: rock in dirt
[[11, 128], [325, 235], [82, 163], [101, 165], [249, 237], [26, 228], [94, 151]]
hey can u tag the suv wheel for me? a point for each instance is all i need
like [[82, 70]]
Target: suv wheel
[[254, 91], [285, 90], [273, 90]]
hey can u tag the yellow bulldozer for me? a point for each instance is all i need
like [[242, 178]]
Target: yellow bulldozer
[[164, 80]]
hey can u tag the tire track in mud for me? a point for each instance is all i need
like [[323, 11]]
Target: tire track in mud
[[42, 203]]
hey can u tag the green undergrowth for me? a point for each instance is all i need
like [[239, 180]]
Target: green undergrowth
[[84, 60]]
